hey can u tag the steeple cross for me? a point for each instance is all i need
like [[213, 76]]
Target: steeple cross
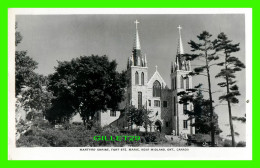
[[179, 27], [156, 67], [136, 22]]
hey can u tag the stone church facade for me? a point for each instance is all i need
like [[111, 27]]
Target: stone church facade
[[167, 115]]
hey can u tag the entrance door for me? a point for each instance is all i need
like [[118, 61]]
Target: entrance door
[[158, 126]]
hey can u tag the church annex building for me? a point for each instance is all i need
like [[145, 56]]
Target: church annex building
[[167, 115]]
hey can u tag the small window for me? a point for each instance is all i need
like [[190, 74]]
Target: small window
[[185, 124], [113, 113], [174, 106], [187, 83], [173, 83], [167, 124], [139, 100], [142, 78], [184, 108], [164, 103], [157, 103], [149, 102], [182, 82], [157, 113], [136, 78]]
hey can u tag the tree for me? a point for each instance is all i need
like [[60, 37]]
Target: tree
[[200, 111], [29, 85], [242, 119], [139, 117], [36, 96], [204, 49], [231, 65], [87, 84]]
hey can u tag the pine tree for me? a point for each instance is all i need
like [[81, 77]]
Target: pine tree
[[230, 66], [200, 111], [204, 49]]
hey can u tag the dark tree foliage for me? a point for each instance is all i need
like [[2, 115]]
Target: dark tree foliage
[[242, 119], [24, 66], [30, 85], [24, 70], [87, 84], [204, 50], [139, 117], [231, 65], [200, 111], [36, 96]]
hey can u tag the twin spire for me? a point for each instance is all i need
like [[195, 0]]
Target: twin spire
[[180, 46], [137, 40], [137, 59], [180, 62]]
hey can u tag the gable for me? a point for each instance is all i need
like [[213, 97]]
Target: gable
[[156, 76]]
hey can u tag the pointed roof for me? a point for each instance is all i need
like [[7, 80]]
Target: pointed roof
[[180, 46], [156, 76], [137, 44]]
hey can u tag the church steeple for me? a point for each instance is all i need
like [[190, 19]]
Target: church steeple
[[180, 46], [137, 45], [137, 55], [180, 62]]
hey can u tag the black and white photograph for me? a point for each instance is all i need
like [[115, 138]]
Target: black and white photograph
[[130, 80]]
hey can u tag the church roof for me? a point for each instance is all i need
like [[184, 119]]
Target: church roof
[[157, 76]]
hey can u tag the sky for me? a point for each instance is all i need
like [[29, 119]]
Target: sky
[[52, 38]]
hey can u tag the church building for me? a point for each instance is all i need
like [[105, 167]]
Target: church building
[[167, 115]]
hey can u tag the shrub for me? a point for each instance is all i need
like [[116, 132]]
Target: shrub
[[241, 144], [155, 137], [227, 143]]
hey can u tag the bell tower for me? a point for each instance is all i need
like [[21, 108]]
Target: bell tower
[[137, 72], [180, 81]]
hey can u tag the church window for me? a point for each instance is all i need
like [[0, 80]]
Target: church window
[[175, 84], [187, 83], [167, 123], [157, 103], [139, 100], [142, 78], [185, 124], [156, 89], [136, 78], [149, 102], [184, 108], [182, 82], [112, 113], [174, 106], [172, 83], [164, 103]]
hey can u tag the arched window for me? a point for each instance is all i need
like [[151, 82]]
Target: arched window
[[175, 84], [185, 108], [156, 89], [182, 82], [174, 106], [173, 87], [136, 78], [187, 83], [142, 78], [139, 100]]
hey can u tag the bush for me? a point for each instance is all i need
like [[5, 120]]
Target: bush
[[241, 144], [227, 143], [155, 137], [72, 136]]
